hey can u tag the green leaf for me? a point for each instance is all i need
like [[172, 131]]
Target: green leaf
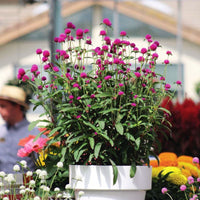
[[33, 124], [101, 124], [133, 170], [115, 171], [97, 149], [53, 131], [137, 142], [91, 140], [119, 128]]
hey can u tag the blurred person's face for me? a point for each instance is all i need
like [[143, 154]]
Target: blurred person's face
[[9, 111]]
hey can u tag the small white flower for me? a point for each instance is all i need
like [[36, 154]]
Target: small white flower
[[23, 163], [45, 188], [32, 183], [7, 191], [68, 186], [36, 198], [43, 174], [42, 181], [2, 192], [22, 187], [2, 174], [11, 178], [5, 198], [78, 178], [22, 191], [38, 171], [27, 189], [29, 173], [60, 164], [66, 195], [16, 168], [59, 195], [56, 189], [81, 193]]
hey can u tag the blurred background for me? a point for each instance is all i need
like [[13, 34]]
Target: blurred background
[[26, 25]]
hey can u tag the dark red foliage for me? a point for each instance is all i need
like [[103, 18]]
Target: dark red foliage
[[185, 136]]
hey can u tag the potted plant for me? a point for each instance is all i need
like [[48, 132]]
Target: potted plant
[[102, 103]]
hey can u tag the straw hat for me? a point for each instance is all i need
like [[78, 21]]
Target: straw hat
[[14, 94]]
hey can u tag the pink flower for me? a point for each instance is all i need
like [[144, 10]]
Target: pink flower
[[71, 96], [21, 72], [148, 36], [46, 53], [99, 86], [25, 78], [67, 31], [133, 104], [44, 59], [120, 93], [107, 22], [102, 32], [107, 77], [78, 116], [154, 56], [38, 51], [22, 153], [169, 53], [153, 47], [183, 187], [121, 84], [167, 86], [162, 78], [34, 68], [178, 82], [164, 190], [190, 180], [83, 75], [143, 50], [123, 33], [46, 67], [86, 30], [92, 96], [166, 62], [55, 69], [70, 25], [137, 74], [89, 105], [44, 78], [140, 59], [196, 160], [79, 32], [78, 98], [76, 85]]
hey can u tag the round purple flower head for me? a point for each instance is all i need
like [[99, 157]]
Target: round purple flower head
[[107, 22], [34, 68], [123, 33], [46, 53], [38, 51], [71, 25]]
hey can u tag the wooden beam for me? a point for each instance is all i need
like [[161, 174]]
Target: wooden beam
[[154, 18], [130, 9]]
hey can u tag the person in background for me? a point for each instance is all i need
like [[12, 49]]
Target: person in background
[[13, 108]]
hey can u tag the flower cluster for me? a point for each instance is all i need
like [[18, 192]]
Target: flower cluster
[[33, 185], [176, 176], [102, 101]]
